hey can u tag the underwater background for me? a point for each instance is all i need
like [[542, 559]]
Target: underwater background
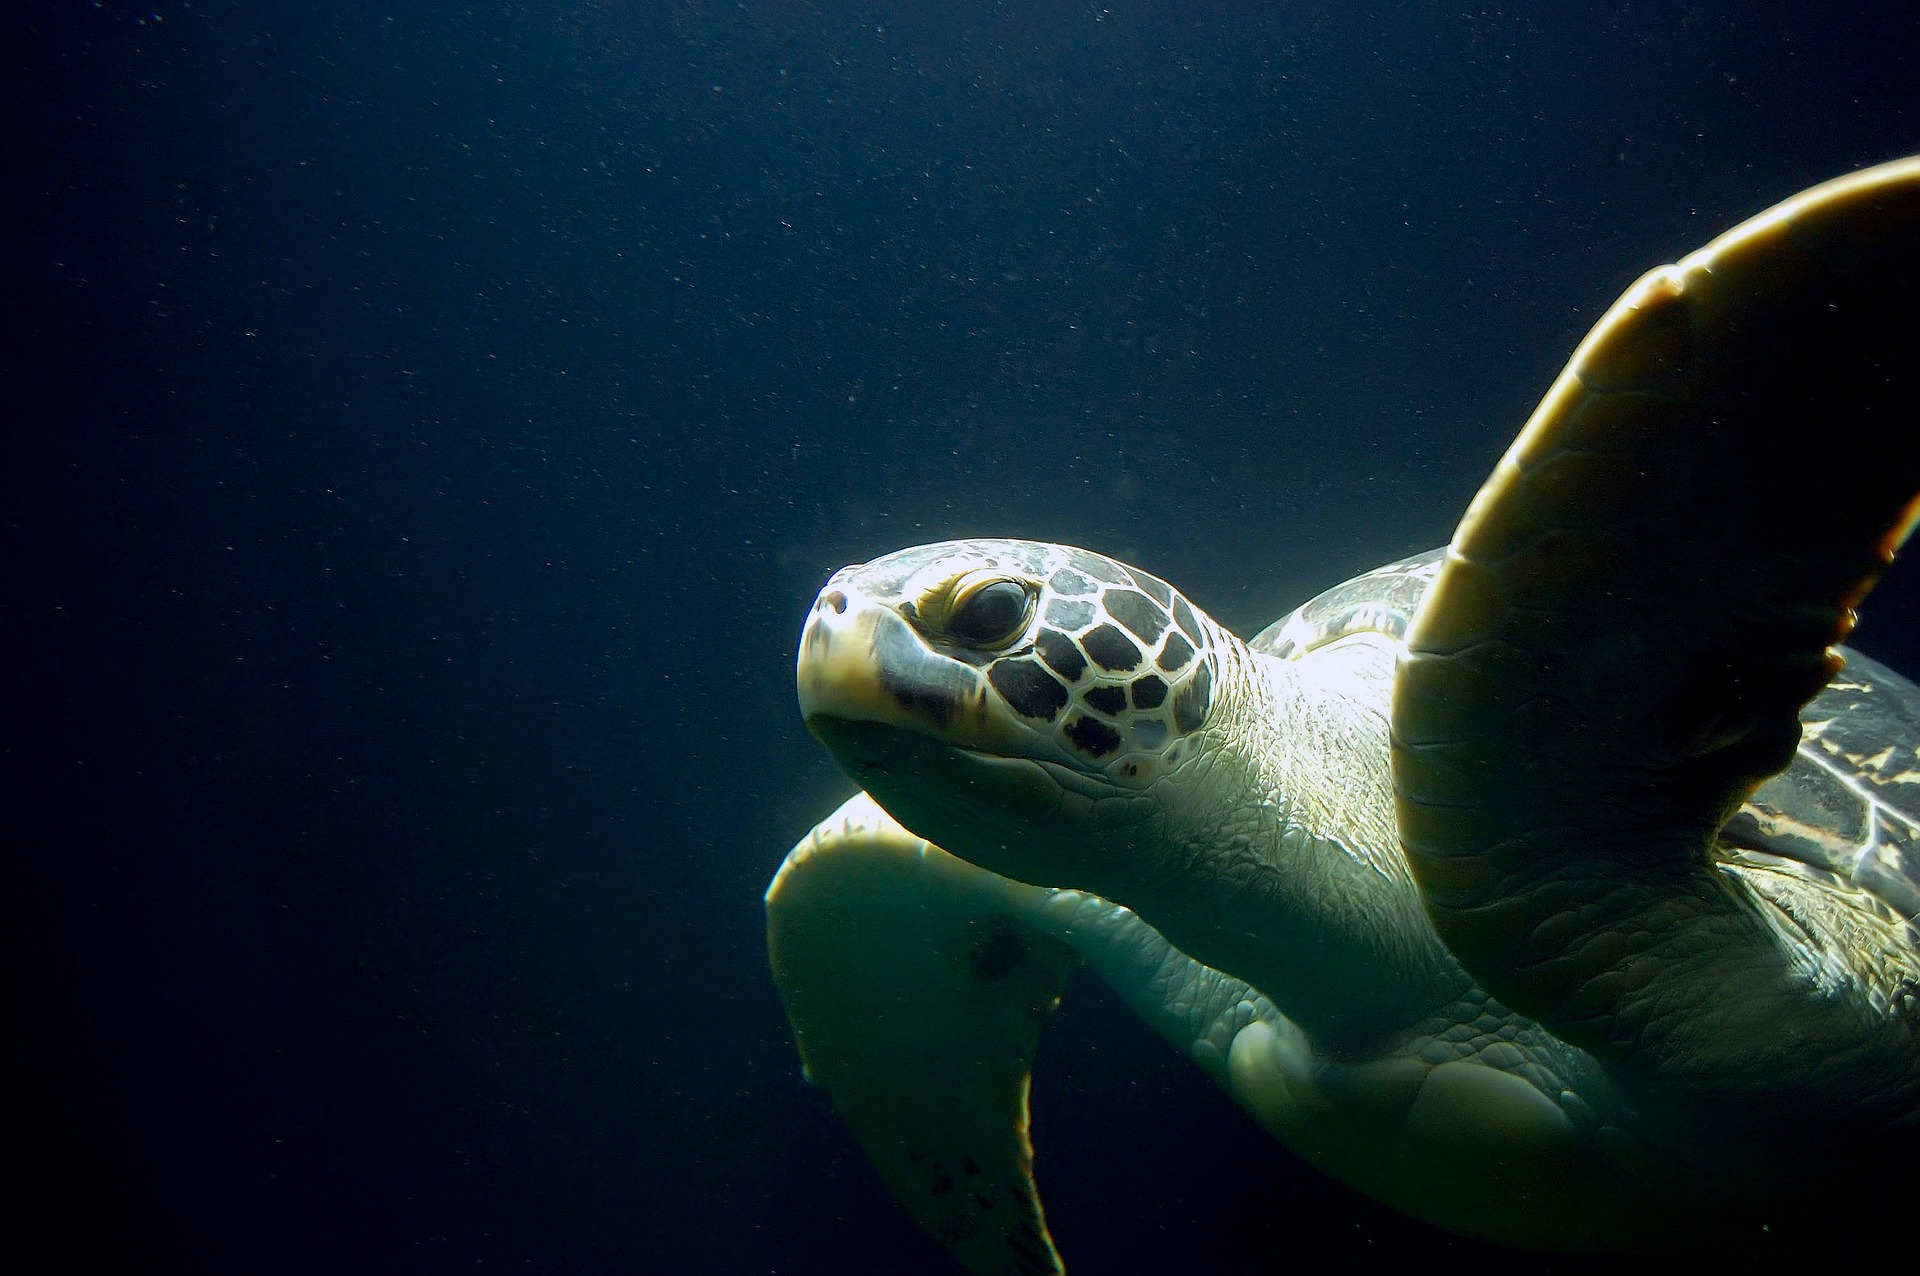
[[427, 425]]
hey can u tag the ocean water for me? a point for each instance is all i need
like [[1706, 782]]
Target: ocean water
[[428, 426]]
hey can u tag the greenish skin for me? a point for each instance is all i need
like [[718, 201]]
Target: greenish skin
[[1523, 887]]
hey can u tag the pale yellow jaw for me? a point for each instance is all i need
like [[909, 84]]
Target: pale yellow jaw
[[861, 661], [834, 672]]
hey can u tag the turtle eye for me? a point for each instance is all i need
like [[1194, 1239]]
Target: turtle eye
[[990, 615]]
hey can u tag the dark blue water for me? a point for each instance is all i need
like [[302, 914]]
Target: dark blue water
[[426, 426]]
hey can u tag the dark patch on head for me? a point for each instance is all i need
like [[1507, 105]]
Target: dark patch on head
[[1194, 699], [1157, 589], [930, 703], [1178, 651], [1111, 649], [1099, 568], [970, 1167], [1000, 950], [942, 1181], [1066, 582], [1149, 692], [1069, 615], [1184, 615], [1028, 689], [1061, 655], [1092, 737], [1108, 700], [1137, 612], [984, 1201]]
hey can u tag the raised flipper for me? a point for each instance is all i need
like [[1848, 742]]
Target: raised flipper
[[1630, 616]]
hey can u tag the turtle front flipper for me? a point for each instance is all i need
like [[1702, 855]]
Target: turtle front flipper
[[917, 997], [1631, 615]]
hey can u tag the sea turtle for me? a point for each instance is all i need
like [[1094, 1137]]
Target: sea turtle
[[1549, 887]]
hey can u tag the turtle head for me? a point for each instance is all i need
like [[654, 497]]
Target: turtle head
[[1006, 699]]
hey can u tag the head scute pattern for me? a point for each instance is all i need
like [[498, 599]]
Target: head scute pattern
[[1120, 667]]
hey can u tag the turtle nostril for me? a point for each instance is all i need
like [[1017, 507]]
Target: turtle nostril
[[836, 600]]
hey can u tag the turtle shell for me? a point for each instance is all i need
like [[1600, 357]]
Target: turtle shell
[[1849, 803], [1381, 601], [1847, 809]]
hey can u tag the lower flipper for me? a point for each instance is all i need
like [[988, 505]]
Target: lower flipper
[[917, 998]]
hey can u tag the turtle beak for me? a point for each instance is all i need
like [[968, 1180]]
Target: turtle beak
[[861, 661], [838, 669]]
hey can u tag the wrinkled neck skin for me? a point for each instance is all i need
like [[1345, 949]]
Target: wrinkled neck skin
[[1272, 853]]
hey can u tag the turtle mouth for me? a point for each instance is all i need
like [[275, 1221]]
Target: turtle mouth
[[872, 752], [942, 791]]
